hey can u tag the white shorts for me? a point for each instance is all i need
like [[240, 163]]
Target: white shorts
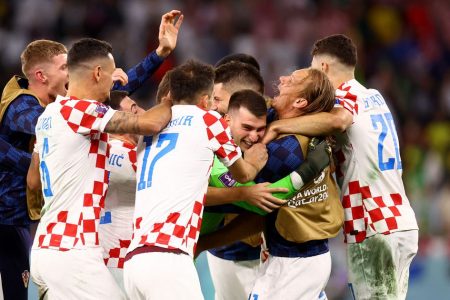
[[232, 279], [378, 268], [73, 274], [292, 278], [161, 275], [117, 273]]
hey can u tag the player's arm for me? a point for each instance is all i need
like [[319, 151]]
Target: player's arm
[[33, 176], [245, 170], [13, 158], [22, 114], [323, 123], [267, 197], [241, 227], [150, 122], [258, 195], [136, 76]]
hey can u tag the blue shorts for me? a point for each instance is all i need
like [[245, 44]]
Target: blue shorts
[[15, 244]]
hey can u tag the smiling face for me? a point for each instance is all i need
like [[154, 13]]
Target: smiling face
[[289, 88], [246, 128]]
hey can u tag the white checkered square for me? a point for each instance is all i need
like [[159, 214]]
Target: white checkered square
[[220, 139], [77, 225], [83, 116]]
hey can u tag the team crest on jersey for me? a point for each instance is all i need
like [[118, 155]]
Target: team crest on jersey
[[101, 109], [227, 179]]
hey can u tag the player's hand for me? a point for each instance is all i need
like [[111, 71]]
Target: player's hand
[[317, 159], [168, 32], [120, 75], [270, 134], [260, 195], [257, 156]]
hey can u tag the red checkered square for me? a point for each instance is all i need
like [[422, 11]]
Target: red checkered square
[[346, 99], [362, 211], [220, 138], [115, 257], [175, 232], [83, 116]]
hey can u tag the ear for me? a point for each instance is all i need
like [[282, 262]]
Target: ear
[[227, 118], [97, 73], [325, 67], [40, 76], [203, 102], [300, 103]]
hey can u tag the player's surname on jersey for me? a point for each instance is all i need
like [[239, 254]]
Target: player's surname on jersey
[[44, 123], [183, 120]]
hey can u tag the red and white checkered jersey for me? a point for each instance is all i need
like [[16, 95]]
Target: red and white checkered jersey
[[172, 177], [73, 152], [369, 167], [116, 223]]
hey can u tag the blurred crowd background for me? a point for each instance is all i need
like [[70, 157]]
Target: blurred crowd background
[[403, 48]]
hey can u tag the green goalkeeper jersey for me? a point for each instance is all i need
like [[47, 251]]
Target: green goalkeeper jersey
[[221, 178]]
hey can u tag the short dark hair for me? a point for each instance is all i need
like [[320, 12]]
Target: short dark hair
[[115, 97], [163, 87], [339, 46], [237, 76], [85, 50], [239, 57], [191, 80], [249, 99]]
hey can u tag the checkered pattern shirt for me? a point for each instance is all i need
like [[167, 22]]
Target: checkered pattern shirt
[[116, 223], [73, 152], [16, 131], [172, 177], [369, 169]]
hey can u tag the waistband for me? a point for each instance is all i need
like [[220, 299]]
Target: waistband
[[148, 249]]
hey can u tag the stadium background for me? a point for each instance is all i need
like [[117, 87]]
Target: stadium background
[[404, 51]]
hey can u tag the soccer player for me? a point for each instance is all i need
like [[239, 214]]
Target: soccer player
[[236, 265], [380, 227], [167, 219], [315, 209], [297, 233], [232, 77], [116, 223], [23, 100], [71, 153]]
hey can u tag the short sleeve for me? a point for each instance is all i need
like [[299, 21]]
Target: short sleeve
[[85, 116], [220, 139], [345, 99]]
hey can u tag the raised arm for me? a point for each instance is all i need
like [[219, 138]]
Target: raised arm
[[324, 123], [136, 76], [150, 122]]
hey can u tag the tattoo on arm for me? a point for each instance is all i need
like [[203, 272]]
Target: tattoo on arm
[[123, 122]]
